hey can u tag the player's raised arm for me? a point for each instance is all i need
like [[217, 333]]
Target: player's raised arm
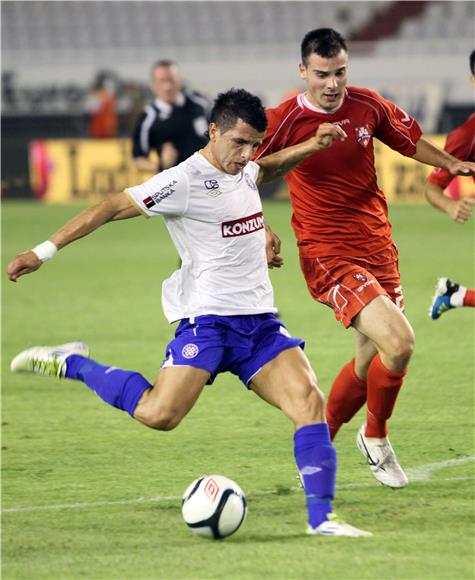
[[430, 154], [114, 207], [279, 163]]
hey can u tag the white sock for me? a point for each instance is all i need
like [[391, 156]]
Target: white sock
[[456, 299]]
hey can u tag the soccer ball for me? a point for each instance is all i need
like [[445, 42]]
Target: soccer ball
[[214, 506]]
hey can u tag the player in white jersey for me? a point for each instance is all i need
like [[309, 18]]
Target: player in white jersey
[[221, 214], [221, 295]]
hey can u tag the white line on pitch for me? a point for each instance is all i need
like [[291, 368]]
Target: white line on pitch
[[422, 473], [415, 474]]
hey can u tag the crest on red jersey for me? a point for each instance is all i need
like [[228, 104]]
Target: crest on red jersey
[[363, 135]]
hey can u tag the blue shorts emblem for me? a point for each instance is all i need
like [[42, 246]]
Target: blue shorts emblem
[[241, 345]]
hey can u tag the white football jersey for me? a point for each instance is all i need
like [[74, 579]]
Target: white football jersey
[[215, 221]]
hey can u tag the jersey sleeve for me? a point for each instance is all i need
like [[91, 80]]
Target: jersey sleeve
[[166, 193], [457, 144], [395, 127]]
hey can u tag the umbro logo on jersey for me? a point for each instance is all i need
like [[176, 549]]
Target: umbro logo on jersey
[[160, 195], [363, 136], [243, 226]]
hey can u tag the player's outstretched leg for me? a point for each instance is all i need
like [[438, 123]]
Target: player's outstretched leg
[[448, 295], [120, 388], [47, 360]]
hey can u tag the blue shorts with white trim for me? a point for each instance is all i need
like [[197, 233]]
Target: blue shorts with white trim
[[241, 345]]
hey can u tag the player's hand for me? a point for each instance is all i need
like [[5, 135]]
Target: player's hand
[[273, 249], [22, 264], [462, 209], [462, 168], [327, 134]]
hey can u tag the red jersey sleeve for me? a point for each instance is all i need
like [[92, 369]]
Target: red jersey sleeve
[[395, 127], [461, 144]]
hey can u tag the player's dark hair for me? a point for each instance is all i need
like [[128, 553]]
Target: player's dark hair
[[325, 42], [165, 62], [472, 62], [238, 104]]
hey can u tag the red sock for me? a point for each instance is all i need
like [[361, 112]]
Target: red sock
[[469, 298], [383, 389], [347, 396]]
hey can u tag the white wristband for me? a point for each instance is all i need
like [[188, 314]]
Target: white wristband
[[45, 251]]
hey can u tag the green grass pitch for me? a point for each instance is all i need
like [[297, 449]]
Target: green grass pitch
[[89, 493]]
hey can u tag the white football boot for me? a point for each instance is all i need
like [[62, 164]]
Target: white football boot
[[382, 460], [47, 360], [336, 527]]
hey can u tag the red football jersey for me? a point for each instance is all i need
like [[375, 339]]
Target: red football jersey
[[338, 208], [461, 144]]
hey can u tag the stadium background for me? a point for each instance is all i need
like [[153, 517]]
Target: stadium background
[[87, 493], [415, 53]]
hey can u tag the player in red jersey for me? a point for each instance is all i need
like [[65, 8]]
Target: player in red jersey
[[461, 143], [340, 219]]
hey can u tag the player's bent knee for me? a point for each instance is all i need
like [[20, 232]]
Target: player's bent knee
[[306, 405], [399, 348], [160, 420], [403, 346]]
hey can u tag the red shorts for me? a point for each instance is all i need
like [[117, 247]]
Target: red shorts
[[348, 284]]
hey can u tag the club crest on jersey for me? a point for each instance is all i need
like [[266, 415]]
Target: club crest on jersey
[[243, 226], [190, 350], [157, 197], [249, 181], [363, 136], [360, 277]]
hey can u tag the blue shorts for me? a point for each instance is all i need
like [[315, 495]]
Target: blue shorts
[[241, 345]]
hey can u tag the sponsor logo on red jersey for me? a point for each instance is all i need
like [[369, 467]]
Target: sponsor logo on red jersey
[[342, 122], [243, 226]]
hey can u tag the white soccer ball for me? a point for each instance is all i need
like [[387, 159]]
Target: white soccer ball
[[214, 506]]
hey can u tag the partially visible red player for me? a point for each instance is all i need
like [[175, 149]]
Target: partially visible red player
[[340, 219], [460, 143]]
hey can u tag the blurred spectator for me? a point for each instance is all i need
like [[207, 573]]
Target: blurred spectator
[[174, 124], [9, 97], [102, 108]]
